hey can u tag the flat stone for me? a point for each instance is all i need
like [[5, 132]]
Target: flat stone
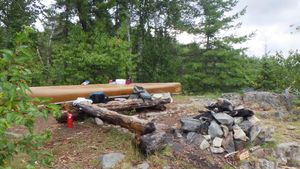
[[225, 130], [266, 164], [110, 160], [238, 120], [289, 127], [143, 165], [217, 150], [223, 118], [239, 133], [253, 119], [214, 130], [239, 107], [228, 143], [98, 121], [217, 142], [207, 137], [246, 126], [190, 124], [204, 145], [254, 132]]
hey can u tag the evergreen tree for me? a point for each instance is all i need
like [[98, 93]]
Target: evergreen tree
[[218, 65]]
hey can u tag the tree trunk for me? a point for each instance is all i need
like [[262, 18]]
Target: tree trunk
[[132, 104], [138, 126]]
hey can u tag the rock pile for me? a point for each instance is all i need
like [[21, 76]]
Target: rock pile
[[224, 127]]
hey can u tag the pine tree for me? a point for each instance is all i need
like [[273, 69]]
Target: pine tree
[[218, 65]]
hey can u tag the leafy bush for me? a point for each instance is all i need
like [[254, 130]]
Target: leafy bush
[[17, 109]]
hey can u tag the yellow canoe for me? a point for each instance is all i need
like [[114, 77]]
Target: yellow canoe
[[71, 92]]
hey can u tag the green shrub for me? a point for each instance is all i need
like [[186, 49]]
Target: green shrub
[[17, 109]]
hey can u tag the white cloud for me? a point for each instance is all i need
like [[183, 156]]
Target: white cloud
[[271, 20]]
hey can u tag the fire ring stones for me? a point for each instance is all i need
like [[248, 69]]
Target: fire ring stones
[[224, 127]]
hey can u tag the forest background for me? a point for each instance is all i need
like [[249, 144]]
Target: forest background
[[100, 40]]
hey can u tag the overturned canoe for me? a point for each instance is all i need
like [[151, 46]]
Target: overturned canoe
[[71, 92]]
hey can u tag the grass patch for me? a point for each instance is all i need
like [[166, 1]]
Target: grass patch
[[269, 145]]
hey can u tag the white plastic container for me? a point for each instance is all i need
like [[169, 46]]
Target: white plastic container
[[120, 81]]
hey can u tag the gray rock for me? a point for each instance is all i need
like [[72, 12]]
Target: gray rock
[[266, 164], [214, 130], [217, 142], [234, 98], [198, 139], [98, 121], [190, 136], [246, 126], [289, 127], [246, 165], [264, 135], [223, 118], [288, 153], [217, 150], [204, 145], [239, 133], [225, 130], [111, 160], [265, 100], [259, 153], [279, 115], [240, 145], [264, 115], [221, 105], [195, 138], [253, 119], [238, 120], [143, 165], [190, 124], [239, 107], [155, 141], [207, 137], [178, 135], [255, 130], [228, 143]]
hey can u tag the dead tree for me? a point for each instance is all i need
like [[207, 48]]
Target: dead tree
[[132, 123]]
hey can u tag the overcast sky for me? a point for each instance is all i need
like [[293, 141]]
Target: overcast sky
[[270, 20]]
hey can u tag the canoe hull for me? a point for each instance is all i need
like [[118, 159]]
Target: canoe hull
[[72, 92]]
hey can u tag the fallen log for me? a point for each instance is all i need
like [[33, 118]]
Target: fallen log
[[132, 104], [124, 105], [132, 123]]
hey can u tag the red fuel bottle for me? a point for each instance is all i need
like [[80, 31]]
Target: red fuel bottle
[[70, 120]]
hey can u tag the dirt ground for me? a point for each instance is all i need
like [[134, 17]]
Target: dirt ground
[[82, 146]]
